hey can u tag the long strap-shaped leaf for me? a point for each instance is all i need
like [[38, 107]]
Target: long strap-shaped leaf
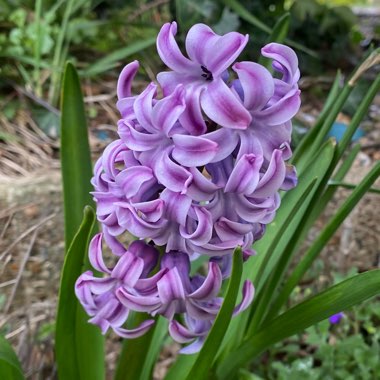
[[326, 234], [201, 367], [86, 358], [75, 154], [307, 142], [317, 308], [74, 334], [10, 368]]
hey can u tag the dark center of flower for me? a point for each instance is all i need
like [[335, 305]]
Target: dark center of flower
[[206, 73]]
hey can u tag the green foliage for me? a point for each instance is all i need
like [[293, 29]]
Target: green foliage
[[10, 368], [79, 345], [348, 350]]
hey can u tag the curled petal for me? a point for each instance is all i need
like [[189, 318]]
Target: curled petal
[[193, 150], [176, 206], [285, 61], [175, 177], [169, 51], [273, 137], [281, 111], [147, 253], [83, 292], [170, 287], [99, 285], [135, 333], [125, 107], [129, 219], [273, 178], [227, 140], [111, 156], [117, 248], [213, 51], [192, 118], [134, 179], [257, 84], [291, 179], [222, 106], [254, 210], [138, 141], [229, 230], [180, 333], [167, 110], [202, 232], [143, 107], [148, 286], [126, 77], [211, 285], [95, 254], [137, 303], [169, 80], [128, 269], [245, 175], [248, 294], [201, 188], [150, 211], [198, 41], [194, 347], [219, 248]]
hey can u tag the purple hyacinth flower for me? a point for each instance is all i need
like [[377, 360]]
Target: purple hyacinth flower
[[98, 295], [210, 55], [336, 318], [196, 172]]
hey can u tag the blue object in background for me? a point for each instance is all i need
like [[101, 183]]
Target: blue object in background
[[337, 130]]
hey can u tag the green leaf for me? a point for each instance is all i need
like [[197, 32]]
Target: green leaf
[[138, 355], [159, 334], [10, 368], [87, 354], [360, 113], [308, 140], [317, 308], [326, 234], [111, 60], [75, 153], [74, 334], [263, 298], [202, 365]]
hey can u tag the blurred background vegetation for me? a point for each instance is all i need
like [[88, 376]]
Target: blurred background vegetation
[[100, 37]]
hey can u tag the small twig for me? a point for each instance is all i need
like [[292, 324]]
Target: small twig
[[13, 333], [7, 223], [20, 272], [36, 99], [7, 283], [26, 233], [13, 209], [99, 98]]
